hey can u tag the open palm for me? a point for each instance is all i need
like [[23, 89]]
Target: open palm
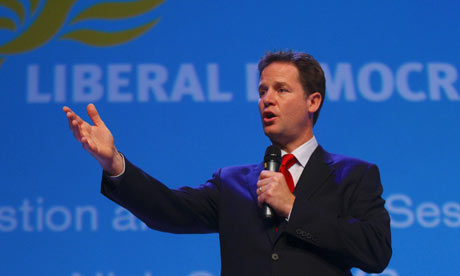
[[96, 139]]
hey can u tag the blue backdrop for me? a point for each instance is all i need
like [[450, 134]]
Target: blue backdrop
[[177, 83]]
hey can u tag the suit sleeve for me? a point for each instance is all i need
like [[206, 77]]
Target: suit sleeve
[[183, 210], [358, 234]]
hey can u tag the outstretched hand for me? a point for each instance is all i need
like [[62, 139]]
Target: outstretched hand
[[96, 139]]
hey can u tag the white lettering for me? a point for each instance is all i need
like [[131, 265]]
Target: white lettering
[[342, 81], [26, 209], [125, 221], [452, 214], [200, 273], [187, 83], [428, 214], [375, 82], [33, 94], [364, 82], [213, 86], [66, 218], [442, 75], [53, 218], [8, 221], [91, 211], [39, 220], [146, 83], [392, 205], [402, 82], [386, 272], [60, 83], [116, 81], [252, 82], [87, 85]]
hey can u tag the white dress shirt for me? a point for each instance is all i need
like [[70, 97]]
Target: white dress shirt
[[302, 154]]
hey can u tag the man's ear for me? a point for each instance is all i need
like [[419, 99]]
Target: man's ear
[[314, 100]]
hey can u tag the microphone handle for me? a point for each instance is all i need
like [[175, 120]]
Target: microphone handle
[[273, 166], [268, 212]]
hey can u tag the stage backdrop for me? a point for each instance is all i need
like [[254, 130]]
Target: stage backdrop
[[176, 82]]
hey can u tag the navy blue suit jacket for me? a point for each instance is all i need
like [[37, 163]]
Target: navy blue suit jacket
[[338, 220]]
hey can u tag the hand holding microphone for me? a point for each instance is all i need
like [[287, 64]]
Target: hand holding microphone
[[273, 191]]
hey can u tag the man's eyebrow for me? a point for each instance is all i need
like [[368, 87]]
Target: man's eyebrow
[[277, 84], [262, 86], [282, 83]]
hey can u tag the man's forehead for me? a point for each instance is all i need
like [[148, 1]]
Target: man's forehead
[[279, 72]]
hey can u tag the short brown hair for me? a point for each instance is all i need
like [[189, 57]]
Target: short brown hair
[[311, 75]]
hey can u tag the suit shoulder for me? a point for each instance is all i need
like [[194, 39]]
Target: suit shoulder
[[346, 167], [340, 160], [241, 169]]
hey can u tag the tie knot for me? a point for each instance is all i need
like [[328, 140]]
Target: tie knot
[[288, 160]]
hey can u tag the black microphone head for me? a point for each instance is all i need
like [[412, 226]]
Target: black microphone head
[[272, 153]]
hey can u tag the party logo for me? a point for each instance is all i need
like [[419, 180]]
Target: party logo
[[41, 21]]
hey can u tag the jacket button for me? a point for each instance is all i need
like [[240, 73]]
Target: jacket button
[[275, 257]]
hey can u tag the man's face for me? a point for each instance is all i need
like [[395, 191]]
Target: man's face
[[284, 107]]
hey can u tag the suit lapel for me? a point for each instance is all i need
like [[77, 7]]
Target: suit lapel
[[316, 171]]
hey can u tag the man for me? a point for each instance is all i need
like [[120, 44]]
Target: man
[[334, 219]]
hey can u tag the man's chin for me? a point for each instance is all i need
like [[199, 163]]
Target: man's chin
[[274, 136]]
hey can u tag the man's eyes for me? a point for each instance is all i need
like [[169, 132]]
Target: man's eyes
[[281, 90]]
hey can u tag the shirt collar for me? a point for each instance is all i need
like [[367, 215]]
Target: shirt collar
[[304, 152]]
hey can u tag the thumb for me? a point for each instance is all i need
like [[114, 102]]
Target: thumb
[[94, 115]]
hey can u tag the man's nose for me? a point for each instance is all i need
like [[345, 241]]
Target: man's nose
[[269, 97]]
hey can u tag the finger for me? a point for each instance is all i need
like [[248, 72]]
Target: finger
[[69, 119], [66, 109], [266, 174], [94, 115], [84, 129], [262, 182], [78, 119], [260, 200], [88, 145], [259, 190], [74, 122], [72, 116], [69, 114], [79, 127], [76, 130]]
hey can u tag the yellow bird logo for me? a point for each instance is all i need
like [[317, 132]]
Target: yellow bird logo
[[53, 15]]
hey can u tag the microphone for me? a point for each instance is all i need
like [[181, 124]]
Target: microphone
[[272, 162]]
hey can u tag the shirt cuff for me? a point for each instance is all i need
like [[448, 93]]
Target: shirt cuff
[[122, 172]]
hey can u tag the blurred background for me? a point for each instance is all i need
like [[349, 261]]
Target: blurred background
[[176, 82]]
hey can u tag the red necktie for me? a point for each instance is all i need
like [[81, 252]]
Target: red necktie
[[287, 162]]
